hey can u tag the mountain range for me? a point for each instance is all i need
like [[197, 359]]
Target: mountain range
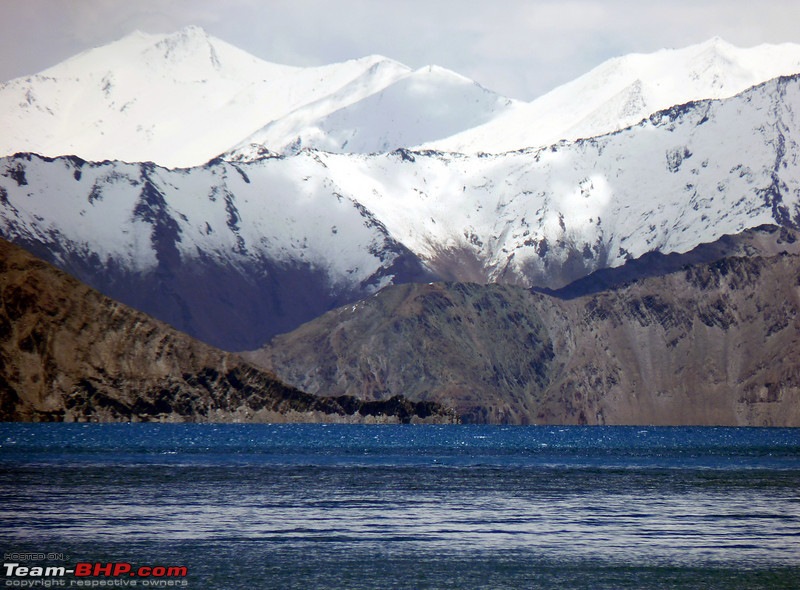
[[234, 252], [180, 100], [625, 90], [238, 199]]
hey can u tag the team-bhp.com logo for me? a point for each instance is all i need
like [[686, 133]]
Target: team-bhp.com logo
[[96, 574]]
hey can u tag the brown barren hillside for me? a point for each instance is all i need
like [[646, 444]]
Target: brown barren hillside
[[712, 343], [69, 353]]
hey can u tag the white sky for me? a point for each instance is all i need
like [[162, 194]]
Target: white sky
[[515, 47]]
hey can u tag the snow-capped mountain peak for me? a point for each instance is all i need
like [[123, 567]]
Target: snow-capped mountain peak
[[201, 95], [190, 54], [388, 107], [204, 96], [624, 90]]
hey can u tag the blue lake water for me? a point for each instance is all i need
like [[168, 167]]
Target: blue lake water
[[334, 506]]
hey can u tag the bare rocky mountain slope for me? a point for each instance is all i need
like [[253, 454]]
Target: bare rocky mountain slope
[[68, 353], [711, 343]]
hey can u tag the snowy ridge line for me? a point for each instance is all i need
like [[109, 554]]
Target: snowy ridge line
[[206, 97], [684, 176], [624, 90], [125, 213]]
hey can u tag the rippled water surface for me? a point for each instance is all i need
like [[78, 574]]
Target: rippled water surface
[[314, 506]]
